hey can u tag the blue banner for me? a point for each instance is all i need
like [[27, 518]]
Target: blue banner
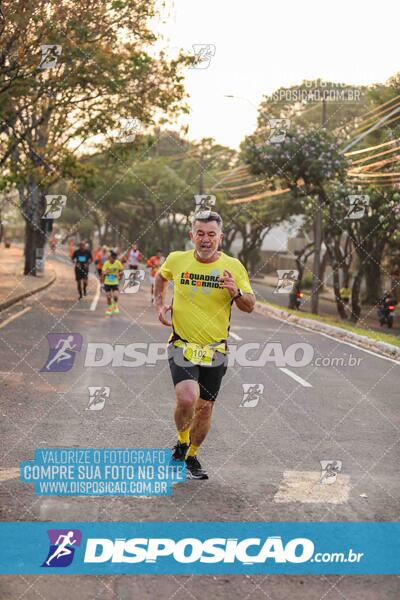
[[200, 548], [103, 472]]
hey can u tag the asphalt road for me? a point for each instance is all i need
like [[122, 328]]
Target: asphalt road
[[259, 458]]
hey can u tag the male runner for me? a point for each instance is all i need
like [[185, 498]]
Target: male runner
[[206, 284], [154, 263], [82, 259], [111, 276]]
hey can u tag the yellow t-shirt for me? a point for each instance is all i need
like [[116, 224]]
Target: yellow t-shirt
[[201, 310], [112, 278]]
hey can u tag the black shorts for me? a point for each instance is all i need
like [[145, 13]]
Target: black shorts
[[208, 378], [81, 273], [110, 288]]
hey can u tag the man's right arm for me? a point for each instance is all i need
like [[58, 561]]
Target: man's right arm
[[160, 290]]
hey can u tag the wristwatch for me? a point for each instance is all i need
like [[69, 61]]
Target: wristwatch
[[238, 295]]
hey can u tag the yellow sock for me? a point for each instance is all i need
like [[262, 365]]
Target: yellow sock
[[183, 436], [192, 450]]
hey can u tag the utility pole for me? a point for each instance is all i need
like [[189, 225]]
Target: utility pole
[[201, 177], [317, 227]]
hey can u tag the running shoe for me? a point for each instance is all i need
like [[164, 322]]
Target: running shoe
[[115, 309], [109, 312], [194, 469], [179, 451]]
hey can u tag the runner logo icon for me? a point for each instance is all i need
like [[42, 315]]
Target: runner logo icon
[[62, 349], [358, 205], [287, 279], [54, 206], [278, 130], [62, 547], [97, 397], [131, 281], [329, 471], [251, 394]]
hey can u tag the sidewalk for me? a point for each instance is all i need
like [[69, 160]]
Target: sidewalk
[[14, 285]]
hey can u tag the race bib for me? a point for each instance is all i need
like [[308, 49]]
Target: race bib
[[198, 354], [112, 277], [82, 259]]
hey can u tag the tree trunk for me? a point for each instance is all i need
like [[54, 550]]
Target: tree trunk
[[373, 280], [346, 263], [30, 249], [355, 294], [333, 257], [322, 268], [345, 275], [317, 257]]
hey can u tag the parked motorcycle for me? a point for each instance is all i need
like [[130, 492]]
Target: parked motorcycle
[[386, 311], [295, 300]]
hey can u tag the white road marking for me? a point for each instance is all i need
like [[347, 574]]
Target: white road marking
[[305, 486], [296, 377], [11, 473], [18, 314], [235, 336], [95, 300]]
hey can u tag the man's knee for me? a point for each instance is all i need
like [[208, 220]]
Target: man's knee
[[186, 396]]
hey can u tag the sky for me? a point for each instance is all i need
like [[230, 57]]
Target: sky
[[262, 45]]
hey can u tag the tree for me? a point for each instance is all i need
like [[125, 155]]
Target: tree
[[305, 162], [105, 73]]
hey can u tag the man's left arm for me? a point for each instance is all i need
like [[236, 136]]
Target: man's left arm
[[245, 301]]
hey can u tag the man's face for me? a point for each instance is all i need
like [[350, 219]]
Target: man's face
[[206, 237]]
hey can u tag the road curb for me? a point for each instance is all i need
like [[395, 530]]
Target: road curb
[[15, 299], [342, 334]]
